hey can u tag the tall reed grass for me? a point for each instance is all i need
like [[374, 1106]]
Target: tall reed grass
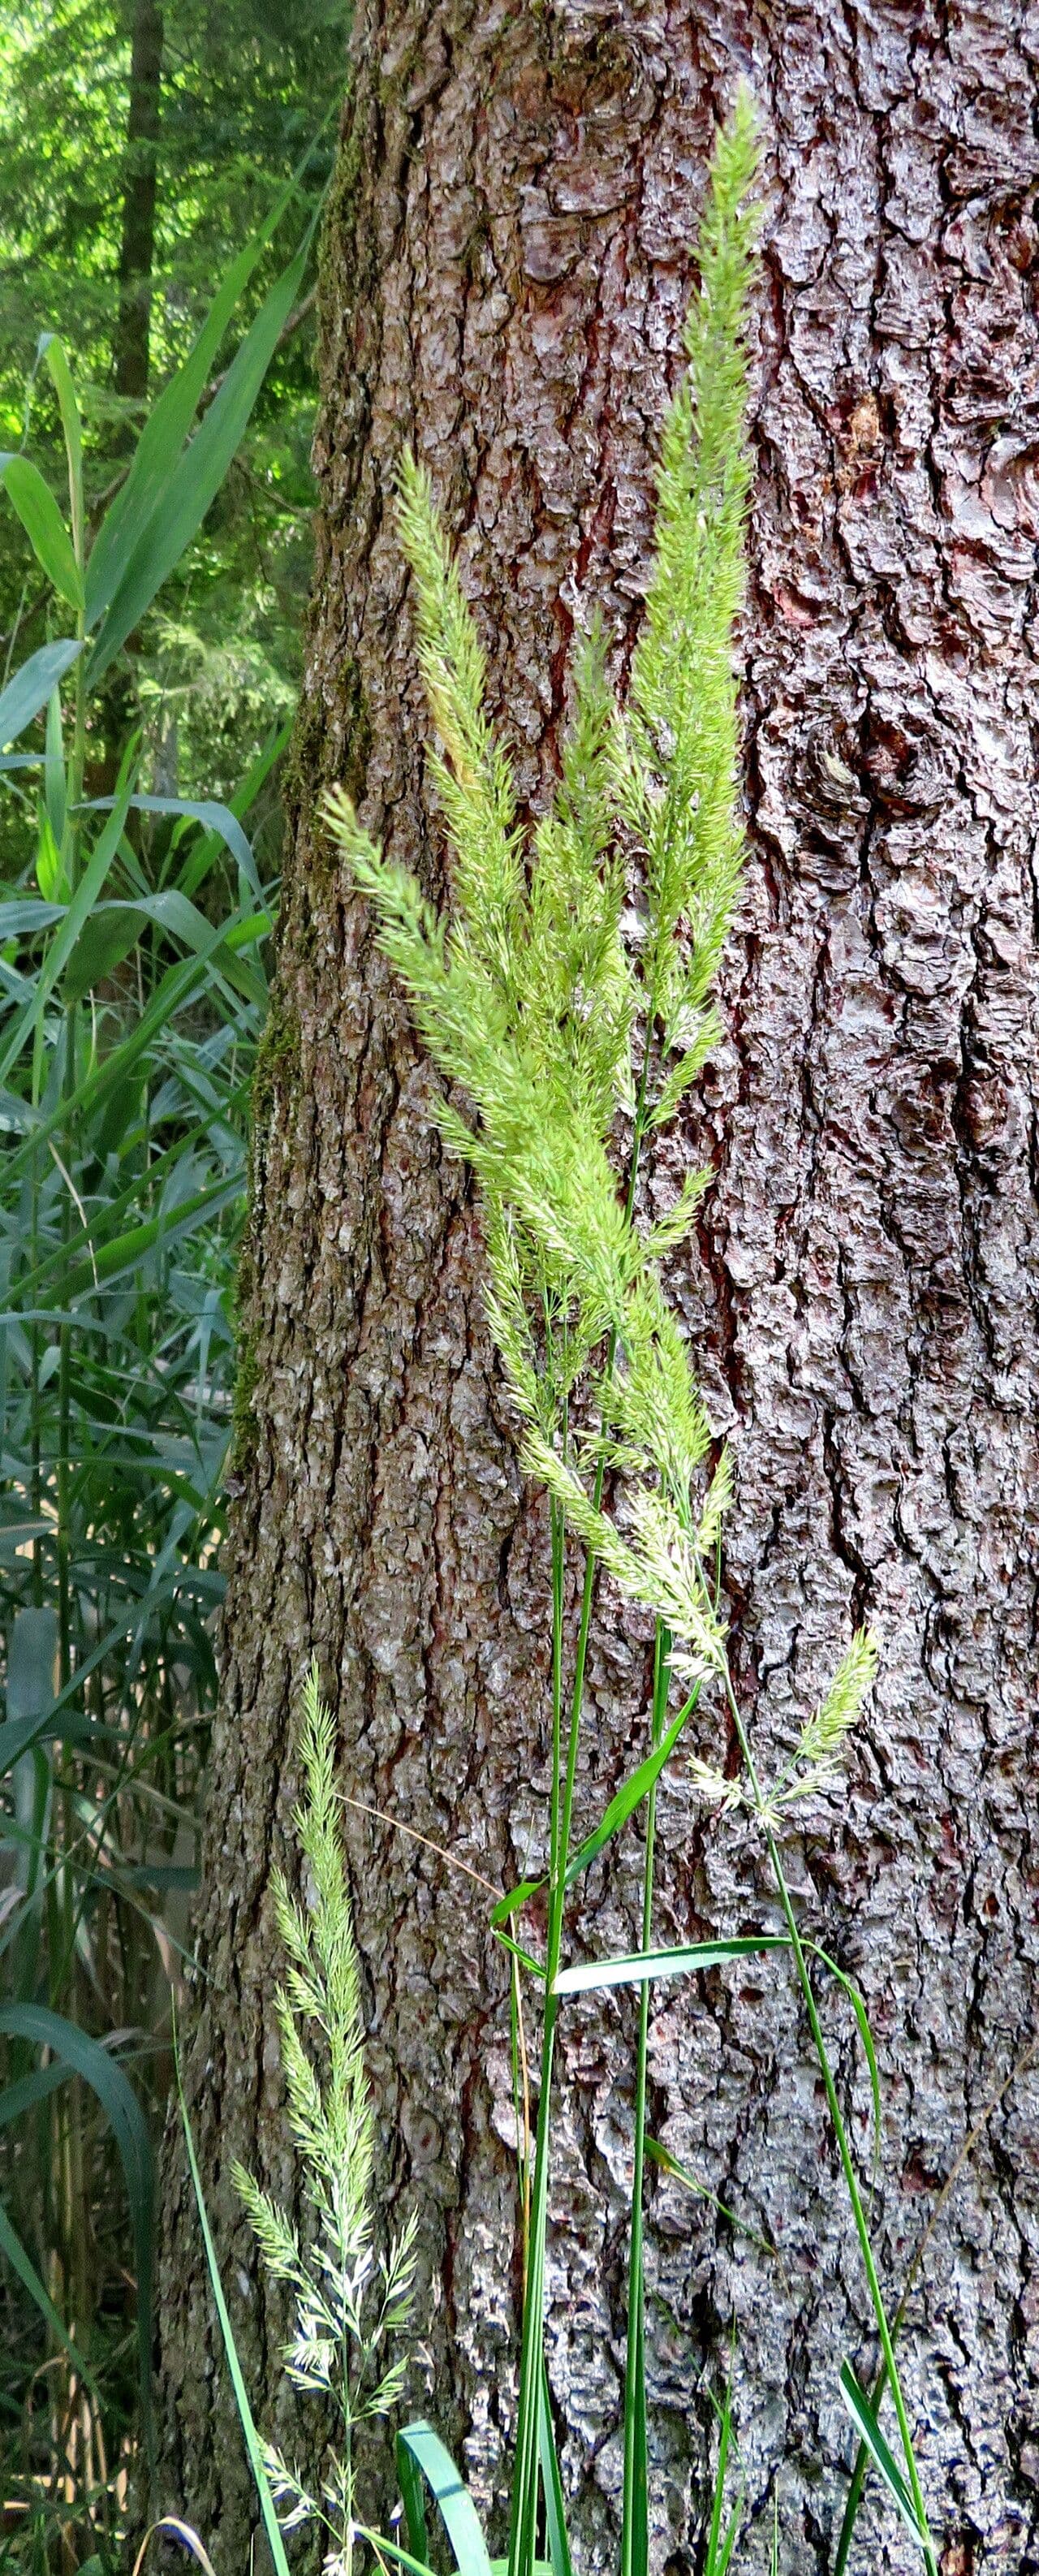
[[132, 996]]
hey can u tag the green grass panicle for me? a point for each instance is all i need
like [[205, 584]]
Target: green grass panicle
[[351, 2308], [572, 1048]]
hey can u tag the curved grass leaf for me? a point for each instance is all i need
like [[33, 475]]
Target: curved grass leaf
[[419, 2449], [217, 818], [85, 2056], [27, 693], [169, 422], [44, 526], [200, 860], [642, 1965], [184, 495], [29, 2091], [170, 2527]]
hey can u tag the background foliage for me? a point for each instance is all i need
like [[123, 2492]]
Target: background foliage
[[242, 91], [140, 148]]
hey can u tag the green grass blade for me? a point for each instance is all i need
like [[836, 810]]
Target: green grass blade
[[29, 2091], [28, 692], [168, 423], [552, 2485], [719, 2546], [451, 2496], [869, 2432], [86, 2057], [511, 1903], [12, 2247], [413, 2499], [635, 2551], [50, 350], [64, 941], [44, 526], [383, 2548], [642, 1965], [54, 788], [865, 2034], [254, 2447], [533, 1966], [217, 818], [627, 1798], [204, 851], [670, 2164], [196, 478]]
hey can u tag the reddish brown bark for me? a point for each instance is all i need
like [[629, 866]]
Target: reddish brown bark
[[506, 271]]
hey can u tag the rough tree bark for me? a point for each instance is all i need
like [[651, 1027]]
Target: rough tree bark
[[505, 276]]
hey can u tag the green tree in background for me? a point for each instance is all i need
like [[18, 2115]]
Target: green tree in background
[[140, 145]]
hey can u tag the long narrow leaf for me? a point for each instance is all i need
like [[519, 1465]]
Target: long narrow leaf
[[83, 900], [642, 1965], [170, 2527], [169, 422], [511, 1903], [384, 2548], [11, 2245], [869, 2431], [196, 479], [44, 526], [217, 818], [670, 2164], [202, 855], [86, 2057], [253, 2444], [28, 692], [451, 2496], [865, 2034], [627, 1798], [49, 348], [552, 2484], [637, 2514]]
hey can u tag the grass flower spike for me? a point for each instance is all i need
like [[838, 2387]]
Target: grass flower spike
[[569, 1047], [350, 2309]]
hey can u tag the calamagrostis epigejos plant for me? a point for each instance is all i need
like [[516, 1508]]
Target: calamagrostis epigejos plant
[[350, 2308], [574, 1042]]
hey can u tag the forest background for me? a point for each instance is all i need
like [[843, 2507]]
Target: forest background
[[140, 148]]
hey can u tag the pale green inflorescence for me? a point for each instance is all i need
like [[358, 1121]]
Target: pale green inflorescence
[[558, 1027], [349, 2307]]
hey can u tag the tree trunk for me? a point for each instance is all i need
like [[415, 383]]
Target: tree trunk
[[140, 188], [506, 273]]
